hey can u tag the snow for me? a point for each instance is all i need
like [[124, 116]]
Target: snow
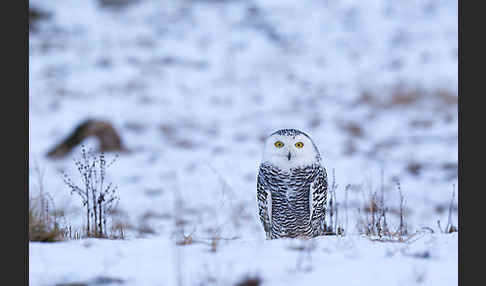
[[221, 75], [345, 261]]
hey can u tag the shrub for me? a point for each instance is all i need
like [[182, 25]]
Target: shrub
[[97, 198]]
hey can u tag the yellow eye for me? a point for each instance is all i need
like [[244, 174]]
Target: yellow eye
[[299, 144], [279, 144]]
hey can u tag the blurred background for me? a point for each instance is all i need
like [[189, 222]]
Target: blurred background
[[188, 89]]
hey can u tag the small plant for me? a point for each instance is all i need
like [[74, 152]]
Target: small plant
[[331, 224], [450, 227], [44, 225], [375, 224], [98, 198], [44, 218], [402, 229]]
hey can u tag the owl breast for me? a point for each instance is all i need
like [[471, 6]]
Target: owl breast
[[290, 200]]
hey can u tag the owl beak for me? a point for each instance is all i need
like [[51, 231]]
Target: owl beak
[[289, 156]]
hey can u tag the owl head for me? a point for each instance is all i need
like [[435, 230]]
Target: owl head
[[290, 148]]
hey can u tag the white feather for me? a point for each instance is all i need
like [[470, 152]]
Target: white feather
[[307, 155]]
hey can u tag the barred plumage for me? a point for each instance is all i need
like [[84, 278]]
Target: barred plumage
[[291, 196]]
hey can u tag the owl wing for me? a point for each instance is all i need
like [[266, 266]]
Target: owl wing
[[318, 199], [264, 199]]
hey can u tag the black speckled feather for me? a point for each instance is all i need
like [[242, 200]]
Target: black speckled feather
[[283, 199]]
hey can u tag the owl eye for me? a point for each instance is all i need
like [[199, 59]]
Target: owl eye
[[279, 144], [299, 144]]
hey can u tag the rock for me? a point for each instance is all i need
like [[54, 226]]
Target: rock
[[116, 3], [105, 132], [35, 15]]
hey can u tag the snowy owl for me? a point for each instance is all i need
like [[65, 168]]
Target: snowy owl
[[291, 186]]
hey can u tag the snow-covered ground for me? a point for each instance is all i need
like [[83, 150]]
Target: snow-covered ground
[[193, 86], [430, 260]]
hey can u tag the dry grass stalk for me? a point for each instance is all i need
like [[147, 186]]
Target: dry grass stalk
[[402, 229], [43, 226], [215, 238], [186, 240], [346, 191], [44, 218], [331, 224], [375, 224], [450, 227]]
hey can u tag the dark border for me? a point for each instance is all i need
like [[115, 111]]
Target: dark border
[[460, 205], [15, 135]]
